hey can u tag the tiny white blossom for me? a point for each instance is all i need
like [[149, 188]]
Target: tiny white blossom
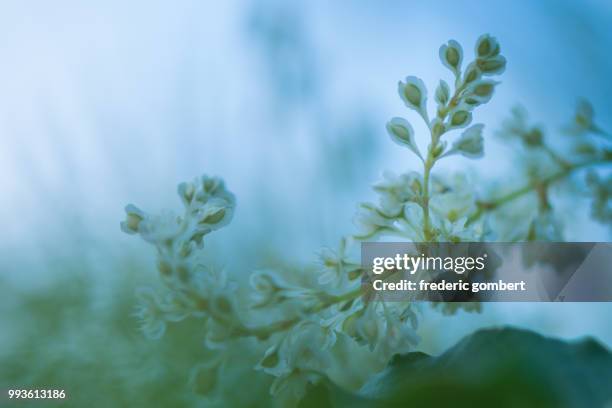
[[470, 143], [370, 220], [395, 191], [134, 217], [158, 229], [149, 313], [399, 336]]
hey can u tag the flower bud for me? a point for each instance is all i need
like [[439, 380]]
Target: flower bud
[[437, 152], [451, 55], [402, 133], [213, 216], [533, 137], [267, 288], [270, 360], [482, 90], [133, 218], [416, 186], [472, 73], [487, 46], [471, 102], [414, 94], [442, 93], [216, 213], [494, 65], [460, 118], [186, 191], [437, 128]]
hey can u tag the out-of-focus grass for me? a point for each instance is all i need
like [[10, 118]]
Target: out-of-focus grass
[[70, 337]]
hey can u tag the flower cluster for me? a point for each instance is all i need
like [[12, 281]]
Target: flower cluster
[[193, 289], [309, 324], [408, 206], [303, 325], [545, 164]]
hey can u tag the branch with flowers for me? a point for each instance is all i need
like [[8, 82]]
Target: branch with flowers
[[304, 326]]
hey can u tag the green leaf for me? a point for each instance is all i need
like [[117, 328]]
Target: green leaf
[[491, 368]]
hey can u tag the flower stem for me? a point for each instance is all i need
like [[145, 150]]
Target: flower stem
[[565, 171], [263, 332], [426, 172]]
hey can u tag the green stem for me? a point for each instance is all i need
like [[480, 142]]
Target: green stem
[[556, 157], [265, 331], [485, 206], [426, 173]]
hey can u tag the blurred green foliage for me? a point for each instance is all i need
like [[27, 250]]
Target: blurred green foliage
[[491, 368]]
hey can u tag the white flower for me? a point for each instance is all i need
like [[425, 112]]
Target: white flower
[[470, 143], [212, 187], [364, 325], [338, 269], [272, 363], [134, 217], [456, 231], [301, 358], [149, 313], [187, 192], [395, 191], [399, 337], [455, 199], [411, 224], [175, 307], [209, 205], [290, 388], [370, 220], [158, 229], [214, 214], [584, 121], [268, 288], [307, 346]]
